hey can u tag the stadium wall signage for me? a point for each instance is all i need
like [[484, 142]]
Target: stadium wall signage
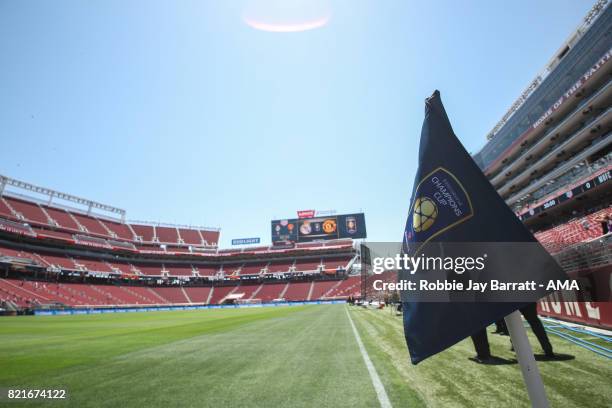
[[246, 241], [563, 305], [174, 308], [306, 213], [584, 78], [13, 228]]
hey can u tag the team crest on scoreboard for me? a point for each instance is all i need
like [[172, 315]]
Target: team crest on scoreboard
[[440, 203]]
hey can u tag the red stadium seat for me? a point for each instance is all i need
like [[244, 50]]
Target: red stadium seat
[[303, 265], [298, 291], [198, 295], [30, 211], [321, 288], [120, 230], [279, 266], [63, 219], [577, 230], [92, 224], [145, 232], [220, 292], [190, 236], [167, 235], [172, 295], [5, 210], [249, 269], [271, 291], [347, 287]]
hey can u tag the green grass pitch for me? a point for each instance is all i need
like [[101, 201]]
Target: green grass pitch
[[299, 356]]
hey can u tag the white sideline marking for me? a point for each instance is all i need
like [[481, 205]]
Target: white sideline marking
[[378, 386]]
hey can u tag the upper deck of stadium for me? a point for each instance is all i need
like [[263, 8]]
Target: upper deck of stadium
[[579, 67], [554, 142]]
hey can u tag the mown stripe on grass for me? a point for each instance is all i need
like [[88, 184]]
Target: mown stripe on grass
[[78, 341], [304, 359]]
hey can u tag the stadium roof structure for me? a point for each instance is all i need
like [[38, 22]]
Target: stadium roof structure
[[52, 194]]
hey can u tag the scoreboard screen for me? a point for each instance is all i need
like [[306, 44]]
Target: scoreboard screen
[[319, 228]]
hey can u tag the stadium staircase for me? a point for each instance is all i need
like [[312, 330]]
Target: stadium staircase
[[158, 296], [349, 266], [331, 290], [113, 268], [74, 219], [109, 232], [284, 291], [136, 295], [60, 293], [197, 295], [132, 231], [186, 295], [42, 260], [16, 214], [11, 287], [50, 220], [134, 269], [210, 294], [179, 239], [155, 238], [173, 295], [347, 287], [202, 240], [255, 292], [230, 293], [10, 306], [309, 297], [164, 271]]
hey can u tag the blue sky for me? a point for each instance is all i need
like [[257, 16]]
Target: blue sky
[[180, 112]]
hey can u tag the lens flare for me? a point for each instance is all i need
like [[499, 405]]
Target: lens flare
[[286, 16]]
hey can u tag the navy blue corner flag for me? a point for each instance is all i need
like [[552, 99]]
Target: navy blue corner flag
[[472, 212]]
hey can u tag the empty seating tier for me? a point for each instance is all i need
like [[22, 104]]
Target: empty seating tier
[[144, 231], [92, 224], [577, 230], [190, 236], [167, 235], [172, 295], [307, 265], [219, 293], [198, 295], [321, 288], [298, 291], [30, 211], [121, 230], [270, 292], [63, 219], [247, 290]]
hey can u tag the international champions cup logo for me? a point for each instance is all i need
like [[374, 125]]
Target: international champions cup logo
[[424, 214], [441, 203]]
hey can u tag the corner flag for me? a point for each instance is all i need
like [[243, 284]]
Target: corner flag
[[453, 202]]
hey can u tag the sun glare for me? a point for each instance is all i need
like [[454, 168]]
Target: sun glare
[[286, 16]]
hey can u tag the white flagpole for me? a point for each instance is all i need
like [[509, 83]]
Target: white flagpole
[[524, 354]]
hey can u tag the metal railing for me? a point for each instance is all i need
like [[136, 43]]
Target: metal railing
[[586, 255]]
